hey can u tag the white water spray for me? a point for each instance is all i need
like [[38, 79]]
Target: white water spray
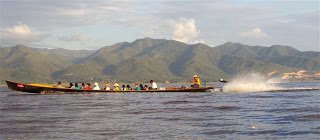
[[253, 82]]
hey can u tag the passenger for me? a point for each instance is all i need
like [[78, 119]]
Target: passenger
[[146, 87], [196, 82], [137, 87], [141, 87], [71, 86], [96, 86], [116, 86], [123, 87], [129, 87], [106, 87], [88, 86], [58, 85], [76, 86], [154, 85], [83, 86]]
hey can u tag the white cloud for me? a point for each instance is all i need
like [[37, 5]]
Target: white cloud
[[74, 12], [255, 33], [185, 30], [19, 30], [20, 33], [75, 37]]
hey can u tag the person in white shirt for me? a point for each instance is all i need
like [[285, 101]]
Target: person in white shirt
[[96, 86], [106, 87], [153, 84]]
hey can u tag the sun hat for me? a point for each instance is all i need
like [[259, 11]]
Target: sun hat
[[116, 85], [96, 84]]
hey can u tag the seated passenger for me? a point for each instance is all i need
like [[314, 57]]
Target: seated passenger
[[137, 87], [141, 87], [88, 86], [196, 82], [116, 86], [83, 86], [106, 87], [129, 87], [96, 86], [76, 86], [223, 81], [153, 85], [58, 85], [146, 87], [123, 87], [71, 86]]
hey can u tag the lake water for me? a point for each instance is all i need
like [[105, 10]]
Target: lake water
[[255, 115]]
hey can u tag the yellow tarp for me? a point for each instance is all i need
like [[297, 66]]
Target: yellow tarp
[[41, 85]]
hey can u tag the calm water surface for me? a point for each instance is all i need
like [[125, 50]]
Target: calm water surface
[[259, 115]]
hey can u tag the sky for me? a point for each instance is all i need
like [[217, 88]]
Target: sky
[[92, 24]]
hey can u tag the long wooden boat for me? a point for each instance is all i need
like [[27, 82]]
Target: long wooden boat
[[45, 89]]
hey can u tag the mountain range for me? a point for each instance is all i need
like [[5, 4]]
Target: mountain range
[[147, 58]]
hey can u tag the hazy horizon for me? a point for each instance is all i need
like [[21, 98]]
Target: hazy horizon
[[94, 49]]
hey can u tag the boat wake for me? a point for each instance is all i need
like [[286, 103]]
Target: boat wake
[[254, 82], [293, 90]]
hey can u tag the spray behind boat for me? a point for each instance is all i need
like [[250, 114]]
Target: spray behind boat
[[253, 82]]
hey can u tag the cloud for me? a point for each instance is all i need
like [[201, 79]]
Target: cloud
[[20, 33], [74, 12], [185, 30], [19, 30], [64, 14], [75, 37], [255, 33]]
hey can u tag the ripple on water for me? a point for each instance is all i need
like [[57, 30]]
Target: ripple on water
[[220, 132], [260, 132], [260, 96], [292, 133], [201, 108], [303, 109], [313, 117], [210, 125], [177, 102], [227, 108], [292, 118], [15, 108], [144, 111]]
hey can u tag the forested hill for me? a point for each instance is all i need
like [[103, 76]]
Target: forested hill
[[146, 59]]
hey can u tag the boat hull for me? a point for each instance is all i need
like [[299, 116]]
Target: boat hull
[[52, 90]]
